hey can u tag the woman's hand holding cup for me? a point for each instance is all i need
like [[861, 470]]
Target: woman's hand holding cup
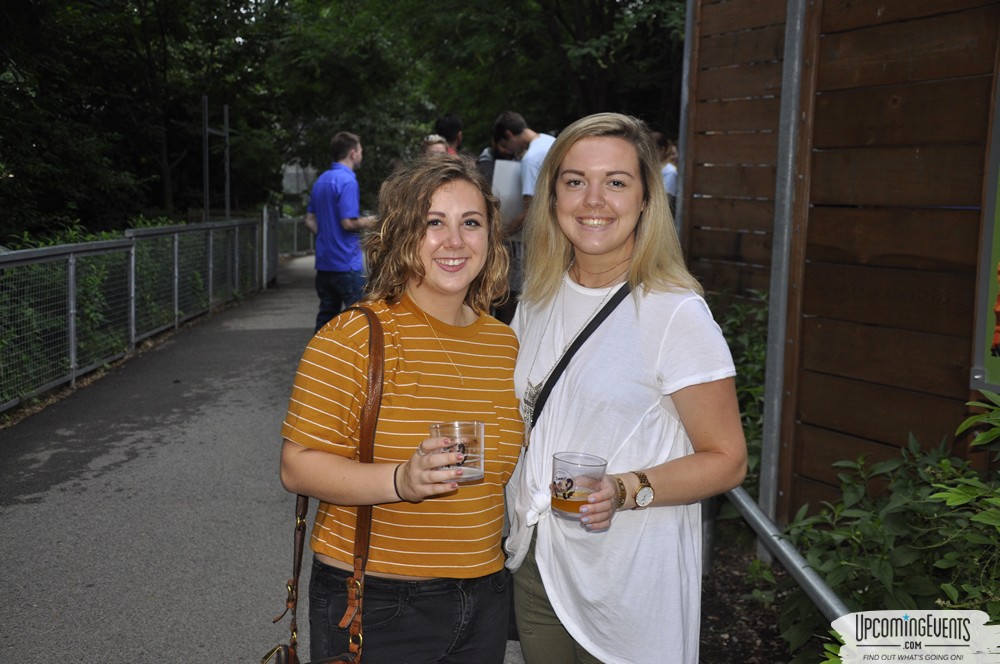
[[422, 476], [596, 514]]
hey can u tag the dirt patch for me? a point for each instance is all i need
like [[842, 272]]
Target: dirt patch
[[735, 625]]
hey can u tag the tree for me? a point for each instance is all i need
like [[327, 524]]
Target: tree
[[100, 100], [56, 157], [623, 56]]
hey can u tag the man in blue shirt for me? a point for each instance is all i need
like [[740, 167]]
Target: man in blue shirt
[[334, 217]]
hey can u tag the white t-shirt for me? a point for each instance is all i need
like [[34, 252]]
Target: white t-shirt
[[531, 162], [630, 594]]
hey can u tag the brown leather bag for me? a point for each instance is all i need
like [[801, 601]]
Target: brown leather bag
[[288, 653]]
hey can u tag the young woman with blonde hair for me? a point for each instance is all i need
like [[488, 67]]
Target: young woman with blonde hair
[[651, 391]]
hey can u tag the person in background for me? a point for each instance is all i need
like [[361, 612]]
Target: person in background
[[436, 589], [334, 217], [668, 167], [486, 161], [652, 391], [450, 126], [434, 144], [512, 135]]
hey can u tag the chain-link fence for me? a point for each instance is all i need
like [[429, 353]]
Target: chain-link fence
[[67, 310], [294, 238]]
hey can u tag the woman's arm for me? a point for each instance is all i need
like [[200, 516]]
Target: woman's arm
[[711, 416], [335, 479]]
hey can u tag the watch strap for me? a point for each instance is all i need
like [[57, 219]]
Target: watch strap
[[643, 483]]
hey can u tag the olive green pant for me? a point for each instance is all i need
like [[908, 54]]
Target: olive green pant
[[543, 638]]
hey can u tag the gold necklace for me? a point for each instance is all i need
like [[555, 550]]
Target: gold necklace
[[606, 283], [597, 274], [447, 354]]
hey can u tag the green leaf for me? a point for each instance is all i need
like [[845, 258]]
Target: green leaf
[[853, 494], [920, 586], [986, 437], [992, 396], [965, 492], [989, 517], [882, 570], [900, 599], [838, 575], [947, 563], [977, 538], [950, 591], [887, 466], [901, 556], [797, 635]]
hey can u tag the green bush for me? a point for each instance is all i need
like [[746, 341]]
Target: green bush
[[744, 325], [914, 532], [918, 531], [988, 437]]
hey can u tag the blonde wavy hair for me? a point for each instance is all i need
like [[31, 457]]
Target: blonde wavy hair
[[392, 251], [657, 262]]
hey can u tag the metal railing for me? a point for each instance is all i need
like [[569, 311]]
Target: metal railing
[[770, 537], [70, 309]]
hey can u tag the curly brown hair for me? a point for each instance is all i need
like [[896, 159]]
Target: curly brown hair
[[392, 250]]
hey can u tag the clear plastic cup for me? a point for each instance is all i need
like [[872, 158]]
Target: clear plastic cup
[[575, 476], [467, 438]]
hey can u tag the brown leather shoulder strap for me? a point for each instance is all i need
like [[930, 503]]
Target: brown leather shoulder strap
[[366, 453], [369, 420], [376, 368]]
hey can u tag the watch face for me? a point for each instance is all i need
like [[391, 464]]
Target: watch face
[[644, 496]]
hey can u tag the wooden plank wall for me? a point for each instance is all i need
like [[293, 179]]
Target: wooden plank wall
[[731, 150], [901, 96], [896, 110]]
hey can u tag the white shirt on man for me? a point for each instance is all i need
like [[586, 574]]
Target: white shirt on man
[[531, 162]]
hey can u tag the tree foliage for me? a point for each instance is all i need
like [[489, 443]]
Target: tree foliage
[[101, 100]]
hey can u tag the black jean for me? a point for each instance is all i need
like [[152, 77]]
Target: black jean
[[440, 621], [337, 291]]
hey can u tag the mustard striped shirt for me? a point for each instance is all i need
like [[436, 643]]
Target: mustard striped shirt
[[456, 535]]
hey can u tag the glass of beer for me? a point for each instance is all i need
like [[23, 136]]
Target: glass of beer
[[575, 476]]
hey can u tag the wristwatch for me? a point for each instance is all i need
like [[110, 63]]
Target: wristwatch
[[644, 494], [620, 498]]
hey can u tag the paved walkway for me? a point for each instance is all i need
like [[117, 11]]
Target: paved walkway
[[141, 518]]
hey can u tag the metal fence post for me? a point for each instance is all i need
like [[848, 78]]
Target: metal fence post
[[177, 280], [71, 316], [210, 271], [131, 297], [237, 264], [263, 245], [784, 195]]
